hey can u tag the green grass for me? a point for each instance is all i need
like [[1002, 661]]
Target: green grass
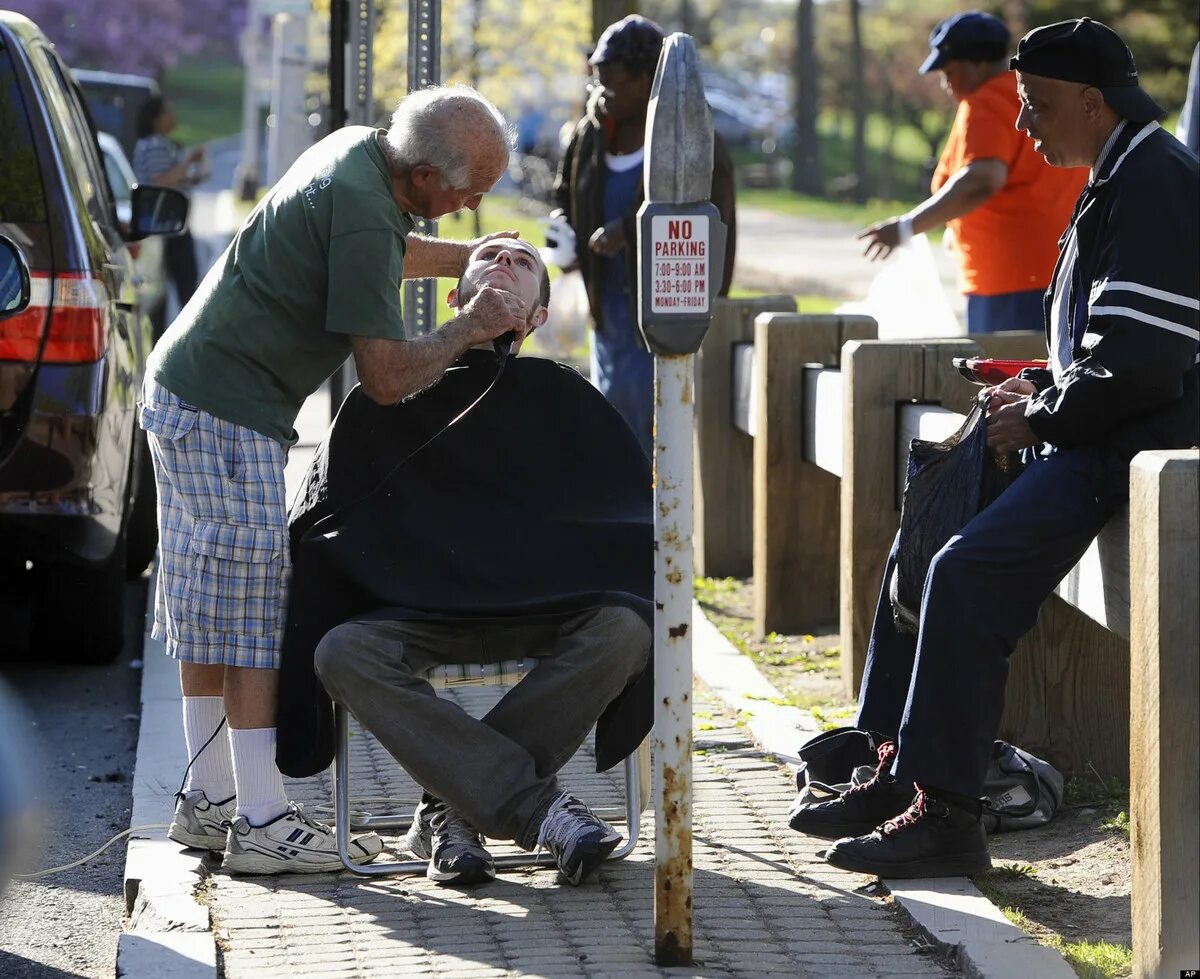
[[1090, 960], [805, 302], [1093, 790], [1118, 824], [207, 97], [1097, 960]]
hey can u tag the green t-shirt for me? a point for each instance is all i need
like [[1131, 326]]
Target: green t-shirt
[[320, 258]]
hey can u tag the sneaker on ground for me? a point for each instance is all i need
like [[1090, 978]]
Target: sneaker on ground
[[292, 843], [578, 839], [199, 823], [935, 837], [419, 838], [859, 809], [456, 851]]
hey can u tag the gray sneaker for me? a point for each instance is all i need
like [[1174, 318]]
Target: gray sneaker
[[419, 838], [292, 843], [456, 851], [199, 823], [578, 839]]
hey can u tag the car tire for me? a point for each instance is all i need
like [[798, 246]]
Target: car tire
[[141, 527], [78, 612]]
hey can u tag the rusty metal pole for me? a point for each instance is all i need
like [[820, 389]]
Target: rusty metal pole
[[674, 418], [680, 253]]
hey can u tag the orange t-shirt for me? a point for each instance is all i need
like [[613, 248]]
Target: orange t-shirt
[[1010, 242]]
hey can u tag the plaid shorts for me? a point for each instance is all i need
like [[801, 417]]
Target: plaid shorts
[[224, 565]]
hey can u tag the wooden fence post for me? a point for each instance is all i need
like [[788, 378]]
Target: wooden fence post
[[796, 503], [1164, 716], [724, 489]]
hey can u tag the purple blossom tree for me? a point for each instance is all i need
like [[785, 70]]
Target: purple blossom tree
[[140, 36]]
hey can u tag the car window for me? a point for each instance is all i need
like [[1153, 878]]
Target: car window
[[116, 178], [21, 195], [88, 161]]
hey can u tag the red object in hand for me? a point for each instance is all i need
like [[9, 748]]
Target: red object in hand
[[984, 370]]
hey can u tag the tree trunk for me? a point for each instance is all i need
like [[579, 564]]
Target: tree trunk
[[605, 12], [806, 160], [473, 74], [887, 179], [859, 101]]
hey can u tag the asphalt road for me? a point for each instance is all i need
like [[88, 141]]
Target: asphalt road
[[79, 742]]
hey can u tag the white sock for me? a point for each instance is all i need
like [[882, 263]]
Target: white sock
[[260, 794], [212, 769]]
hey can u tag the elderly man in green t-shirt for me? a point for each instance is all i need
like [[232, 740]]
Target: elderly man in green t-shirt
[[311, 277]]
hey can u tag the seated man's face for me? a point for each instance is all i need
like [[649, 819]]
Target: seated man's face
[[506, 264]]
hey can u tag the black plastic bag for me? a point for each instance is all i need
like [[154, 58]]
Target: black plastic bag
[[947, 484]]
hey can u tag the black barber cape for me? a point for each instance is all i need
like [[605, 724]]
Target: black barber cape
[[537, 500]]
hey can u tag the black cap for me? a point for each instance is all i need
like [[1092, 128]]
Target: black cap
[[1087, 52], [970, 36], [634, 40]]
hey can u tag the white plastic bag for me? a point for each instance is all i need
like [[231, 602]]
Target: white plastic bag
[[907, 298], [564, 334]]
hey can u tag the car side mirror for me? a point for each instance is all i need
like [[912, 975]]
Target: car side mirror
[[157, 211], [14, 279]]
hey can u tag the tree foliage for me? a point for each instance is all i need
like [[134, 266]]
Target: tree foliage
[[138, 36]]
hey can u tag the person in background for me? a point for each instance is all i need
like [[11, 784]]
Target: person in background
[[158, 159], [599, 190], [1004, 206]]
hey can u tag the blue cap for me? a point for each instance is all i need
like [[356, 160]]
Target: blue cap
[[972, 36]]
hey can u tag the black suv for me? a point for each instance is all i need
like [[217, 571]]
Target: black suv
[[76, 487]]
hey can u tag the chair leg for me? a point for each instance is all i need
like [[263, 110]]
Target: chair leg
[[341, 801], [341, 794]]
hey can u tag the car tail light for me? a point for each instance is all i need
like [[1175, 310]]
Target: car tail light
[[78, 304]]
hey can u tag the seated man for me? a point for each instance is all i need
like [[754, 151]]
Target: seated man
[[502, 514], [1123, 318]]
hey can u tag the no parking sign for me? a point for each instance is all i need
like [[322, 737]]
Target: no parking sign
[[682, 250]]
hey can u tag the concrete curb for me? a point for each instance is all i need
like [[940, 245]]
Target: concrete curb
[[169, 934], [950, 911]]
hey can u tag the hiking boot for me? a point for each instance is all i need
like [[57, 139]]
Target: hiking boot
[[199, 823], [419, 838], [456, 851], [578, 839], [937, 836], [859, 809], [291, 843]]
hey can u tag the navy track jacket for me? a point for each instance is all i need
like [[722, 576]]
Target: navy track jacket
[[1133, 304]]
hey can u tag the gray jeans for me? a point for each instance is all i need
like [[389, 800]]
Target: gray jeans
[[499, 772]]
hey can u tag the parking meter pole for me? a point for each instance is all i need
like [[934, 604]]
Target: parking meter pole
[[681, 243], [674, 417]]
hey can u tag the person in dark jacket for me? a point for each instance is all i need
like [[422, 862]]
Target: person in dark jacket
[[599, 190], [1122, 319], [498, 541]]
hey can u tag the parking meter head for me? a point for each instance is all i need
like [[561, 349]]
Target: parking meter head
[[679, 132], [681, 239]]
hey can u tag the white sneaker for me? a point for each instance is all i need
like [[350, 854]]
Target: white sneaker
[[292, 843], [199, 823]]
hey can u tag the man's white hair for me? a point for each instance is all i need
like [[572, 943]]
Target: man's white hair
[[439, 126]]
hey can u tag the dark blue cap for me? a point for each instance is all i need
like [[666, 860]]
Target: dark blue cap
[[635, 41], [971, 36]]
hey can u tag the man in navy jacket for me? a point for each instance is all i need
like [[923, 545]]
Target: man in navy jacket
[[1122, 319]]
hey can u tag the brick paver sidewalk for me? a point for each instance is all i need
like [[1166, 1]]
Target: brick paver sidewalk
[[765, 903]]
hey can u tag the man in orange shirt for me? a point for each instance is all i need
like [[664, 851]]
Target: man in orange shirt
[[1005, 206]]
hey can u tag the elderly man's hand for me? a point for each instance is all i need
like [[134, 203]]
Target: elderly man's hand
[[1007, 428], [881, 238], [493, 312], [609, 239], [995, 397]]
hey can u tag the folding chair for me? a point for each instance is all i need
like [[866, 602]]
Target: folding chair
[[506, 673]]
